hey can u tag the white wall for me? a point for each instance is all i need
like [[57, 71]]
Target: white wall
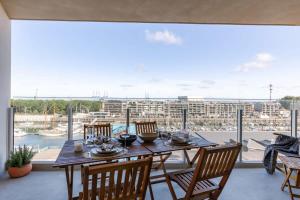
[[5, 78]]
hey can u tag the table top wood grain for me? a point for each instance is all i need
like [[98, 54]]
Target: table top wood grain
[[68, 157], [290, 162], [160, 146]]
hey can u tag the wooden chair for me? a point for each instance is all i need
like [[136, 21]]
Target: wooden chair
[[158, 159], [216, 162], [145, 127], [127, 180], [150, 128], [99, 129]]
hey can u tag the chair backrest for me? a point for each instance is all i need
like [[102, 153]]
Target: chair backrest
[[126, 180], [145, 127], [216, 161], [99, 129]]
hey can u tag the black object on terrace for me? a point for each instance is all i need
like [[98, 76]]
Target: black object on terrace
[[283, 144], [129, 140]]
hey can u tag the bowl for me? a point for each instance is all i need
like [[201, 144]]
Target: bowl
[[178, 139], [148, 137], [128, 140]]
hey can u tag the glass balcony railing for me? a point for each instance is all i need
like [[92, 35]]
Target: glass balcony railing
[[259, 126], [44, 124]]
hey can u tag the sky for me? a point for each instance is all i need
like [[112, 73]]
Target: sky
[[83, 59]]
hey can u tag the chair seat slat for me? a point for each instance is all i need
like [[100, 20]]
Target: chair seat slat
[[125, 187], [212, 163]]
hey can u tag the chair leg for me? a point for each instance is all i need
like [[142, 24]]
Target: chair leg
[[151, 191], [212, 197], [81, 173], [162, 160], [69, 170], [174, 197], [168, 180], [289, 184], [284, 184], [216, 194]]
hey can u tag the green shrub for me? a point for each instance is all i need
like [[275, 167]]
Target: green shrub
[[20, 157]]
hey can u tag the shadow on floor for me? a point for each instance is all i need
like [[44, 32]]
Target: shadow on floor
[[244, 184]]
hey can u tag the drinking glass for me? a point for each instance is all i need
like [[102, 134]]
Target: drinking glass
[[165, 136], [125, 136], [78, 146], [90, 137]]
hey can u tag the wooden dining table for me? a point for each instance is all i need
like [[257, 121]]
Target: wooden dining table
[[290, 164], [68, 159]]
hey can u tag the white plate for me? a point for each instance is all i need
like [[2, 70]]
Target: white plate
[[98, 151]]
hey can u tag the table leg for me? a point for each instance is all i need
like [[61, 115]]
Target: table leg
[[289, 184], [163, 158], [169, 182], [189, 161], [285, 179], [69, 170], [151, 191], [186, 155], [196, 156], [298, 178]]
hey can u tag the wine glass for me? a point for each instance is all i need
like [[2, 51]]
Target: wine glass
[[91, 137], [165, 136], [125, 136]]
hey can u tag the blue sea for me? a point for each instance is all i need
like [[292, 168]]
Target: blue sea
[[41, 142]]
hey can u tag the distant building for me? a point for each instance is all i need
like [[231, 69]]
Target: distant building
[[196, 108], [248, 109], [99, 114], [174, 108], [271, 108], [149, 108], [114, 107], [183, 98]]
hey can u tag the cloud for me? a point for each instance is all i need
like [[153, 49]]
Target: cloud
[[295, 86], [166, 37], [184, 85], [205, 84], [261, 61], [208, 82], [186, 89], [264, 57], [203, 87], [126, 86], [155, 80], [140, 68], [242, 83]]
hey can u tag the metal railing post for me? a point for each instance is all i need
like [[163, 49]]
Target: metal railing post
[[296, 123], [70, 122], [184, 118], [10, 130], [240, 131], [127, 120], [292, 121]]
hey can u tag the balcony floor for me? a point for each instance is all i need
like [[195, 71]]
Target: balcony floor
[[246, 184]]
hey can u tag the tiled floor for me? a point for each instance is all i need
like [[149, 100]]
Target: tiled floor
[[244, 184]]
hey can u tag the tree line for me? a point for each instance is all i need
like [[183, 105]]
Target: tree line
[[288, 102], [54, 106], [36, 106]]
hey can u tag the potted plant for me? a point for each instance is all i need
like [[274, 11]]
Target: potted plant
[[19, 163]]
